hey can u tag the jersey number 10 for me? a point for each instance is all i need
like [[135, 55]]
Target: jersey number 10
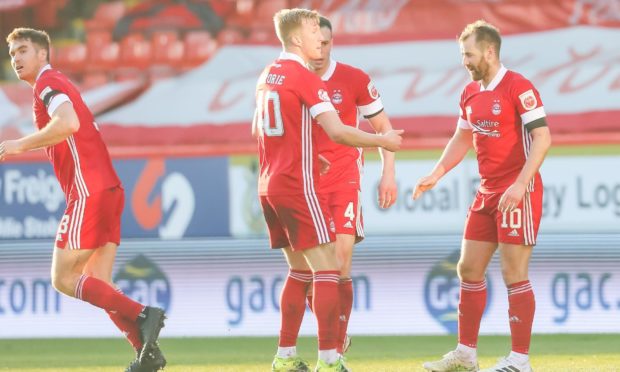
[[271, 125]]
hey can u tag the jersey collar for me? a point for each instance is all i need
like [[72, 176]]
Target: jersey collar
[[45, 68], [330, 70], [292, 56], [496, 80]]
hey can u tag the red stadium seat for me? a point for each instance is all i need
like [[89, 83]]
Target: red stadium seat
[[199, 47], [104, 58], [161, 42], [230, 35], [70, 58], [106, 15], [135, 51], [97, 38]]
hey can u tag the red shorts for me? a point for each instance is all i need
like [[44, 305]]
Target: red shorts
[[298, 221], [91, 222], [346, 210], [520, 226]]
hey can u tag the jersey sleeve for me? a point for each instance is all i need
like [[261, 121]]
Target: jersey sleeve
[[314, 95], [527, 101], [462, 122], [368, 100], [52, 92]]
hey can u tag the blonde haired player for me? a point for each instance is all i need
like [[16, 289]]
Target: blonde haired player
[[290, 100]]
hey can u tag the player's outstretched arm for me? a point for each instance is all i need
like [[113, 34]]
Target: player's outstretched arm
[[350, 136], [64, 122], [388, 190], [453, 154], [541, 141]]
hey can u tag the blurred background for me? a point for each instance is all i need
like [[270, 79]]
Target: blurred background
[[172, 86]]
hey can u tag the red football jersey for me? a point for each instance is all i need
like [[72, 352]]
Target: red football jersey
[[351, 91], [81, 162], [288, 97], [498, 116]]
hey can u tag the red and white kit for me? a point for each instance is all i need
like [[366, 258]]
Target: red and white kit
[[288, 97], [83, 167], [499, 116], [352, 94]]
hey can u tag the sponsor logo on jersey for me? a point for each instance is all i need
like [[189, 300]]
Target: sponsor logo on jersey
[[442, 289], [528, 100], [513, 233], [142, 280], [374, 93], [481, 127], [497, 108], [323, 96], [348, 225], [337, 97]]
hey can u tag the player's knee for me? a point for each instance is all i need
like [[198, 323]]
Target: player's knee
[[513, 275], [61, 283], [469, 272]]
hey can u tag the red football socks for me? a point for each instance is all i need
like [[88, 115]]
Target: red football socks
[[345, 289], [471, 306], [293, 305], [326, 307], [522, 306], [129, 328], [99, 293]]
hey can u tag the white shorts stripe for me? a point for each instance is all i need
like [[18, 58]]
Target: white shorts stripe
[[307, 166], [358, 224]]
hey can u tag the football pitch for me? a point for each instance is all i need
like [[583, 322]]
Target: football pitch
[[587, 353]]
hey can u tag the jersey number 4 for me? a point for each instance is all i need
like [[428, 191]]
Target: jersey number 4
[[269, 115]]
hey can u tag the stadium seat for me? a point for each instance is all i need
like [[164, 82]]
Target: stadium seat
[[230, 35], [103, 58], [161, 43], [70, 58], [97, 38], [199, 47], [135, 51], [106, 15]]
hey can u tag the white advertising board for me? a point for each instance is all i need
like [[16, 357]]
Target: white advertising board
[[581, 194], [403, 285]]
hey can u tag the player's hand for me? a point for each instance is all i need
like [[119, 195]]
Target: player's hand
[[388, 192], [511, 197], [424, 184], [392, 140], [9, 147], [325, 165]]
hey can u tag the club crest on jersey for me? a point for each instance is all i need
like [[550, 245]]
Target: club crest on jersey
[[374, 93], [496, 109], [337, 97], [528, 100], [323, 95]]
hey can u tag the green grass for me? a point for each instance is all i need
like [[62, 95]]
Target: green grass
[[587, 353]]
